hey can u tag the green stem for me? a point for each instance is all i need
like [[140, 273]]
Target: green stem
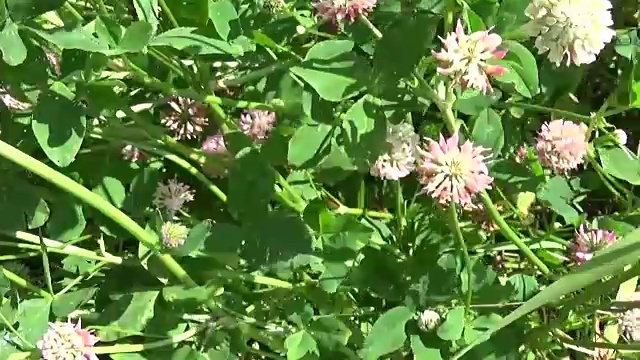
[[462, 247], [106, 208], [255, 75], [167, 11], [446, 109], [73, 11], [543, 109], [400, 210], [45, 263], [256, 279], [16, 279], [15, 333], [19, 256], [363, 212], [511, 235], [363, 19], [58, 247]]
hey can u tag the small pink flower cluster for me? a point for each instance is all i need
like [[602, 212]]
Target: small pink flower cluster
[[186, 119], [257, 124], [172, 196], [339, 10], [562, 145], [453, 173], [586, 243], [67, 341], [465, 58]]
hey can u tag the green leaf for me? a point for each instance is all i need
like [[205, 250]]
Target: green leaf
[[78, 38], [67, 220], [513, 78], [332, 79], [128, 314], [402, 47], [365, 131], [329, 49], [558, 195], [451, 329], [65, 304], [488, 131], [39, 216], [184, 39], [33, 317], [112, 190], [472, 102], [146, 11], [221, 13], [528, 69], [135, 38], [196, 238], [13, 50], [20, 10], [525, 287], [608, 262], [421, 352], [387, 334], [300, 344], [59, 124], [251, 187], [621, 164], [309, 144]]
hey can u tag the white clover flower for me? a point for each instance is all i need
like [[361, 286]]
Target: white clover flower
[[428, 320], [173, 234], [400, 158], [575, 29], [621, 136], [172, 196]]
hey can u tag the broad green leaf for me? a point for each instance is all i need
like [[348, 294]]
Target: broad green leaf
[[146, 10], [472, 102], [453, 325], [621, 164], [197, 294], [59, 124], [364, 131], [21, 206], [528, 69], [387, 334], [112, 190], [558, 195], [512, 78], [186, 39], [19, 10], [39, 216], [309, 144], [421, 352], [488, 131], [135, 38], [33, 317], [300, 344], [128, 314], [65, 304], [608, 262], [78, 38], [221, 13], [332, 79], [329, 49], [13, 50], [251, 187], [67, 220], [525, 287], [402, 47], [511, 16], [197, 236]]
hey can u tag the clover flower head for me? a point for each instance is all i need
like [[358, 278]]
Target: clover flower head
[[587, 242], [575, 29], [274, 6], [465, 58], [340, 10], [620, 136], [453, 173], [428, 320], [257, 124], [64, 340], [214, 144], [173, 234], [399, 159], [522, 154], [54, 60], [172, 196], [186, 119], [480, 216], [562, 145], [132, 153]]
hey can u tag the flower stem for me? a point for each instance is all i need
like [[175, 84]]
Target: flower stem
[[400, 209], [543, 109], [23, 283], [511, 235], [462, 247], [167, 11], [370, 25], [254, 75]]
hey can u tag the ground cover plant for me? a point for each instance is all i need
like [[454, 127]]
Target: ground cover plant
[[328, 179]]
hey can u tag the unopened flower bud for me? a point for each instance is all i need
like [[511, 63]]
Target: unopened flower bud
[[621, 136], [428, 320], [174, 234]]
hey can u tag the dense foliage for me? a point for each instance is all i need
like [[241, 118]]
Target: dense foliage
[[329, 179]]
